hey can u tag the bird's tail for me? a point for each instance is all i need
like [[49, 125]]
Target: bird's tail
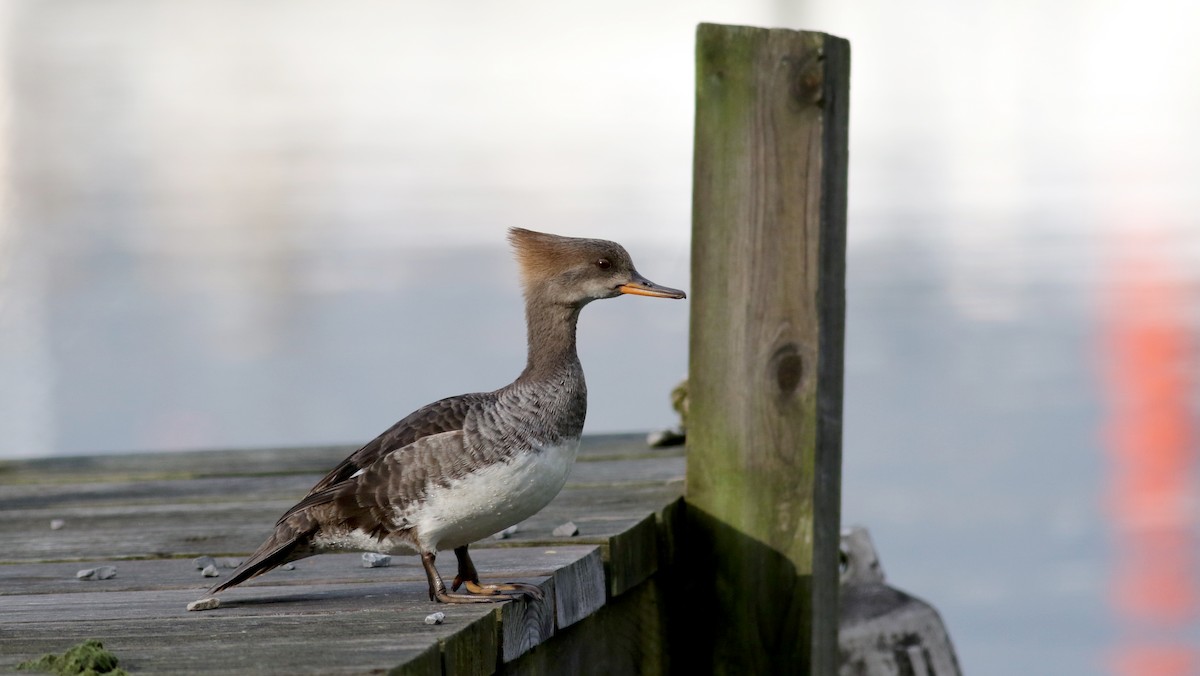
[[287, 543]]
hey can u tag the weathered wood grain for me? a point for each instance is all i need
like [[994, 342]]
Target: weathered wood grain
[[181, 465], [495, 565], [164, 527], [625, 637], [474, 650], [765, 373], [528, 624], [143, 531], [579, 589], [354, 644], [62, 495], [658, 469], [425, 663], [248, 462], [153, 628], [632, 555]]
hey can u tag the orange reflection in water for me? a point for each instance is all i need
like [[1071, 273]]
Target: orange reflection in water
[[1152, 446]]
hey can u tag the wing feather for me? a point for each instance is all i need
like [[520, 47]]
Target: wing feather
[[446, 415]]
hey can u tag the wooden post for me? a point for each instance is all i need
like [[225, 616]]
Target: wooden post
[[765, 378]]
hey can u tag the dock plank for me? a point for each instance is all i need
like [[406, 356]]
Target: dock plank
[[108, 490], [351, 642], [250, 462], [524, 626], [188, 529], [579, 589], [59, 578]]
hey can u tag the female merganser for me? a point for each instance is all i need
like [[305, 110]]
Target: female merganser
[[462, 468]]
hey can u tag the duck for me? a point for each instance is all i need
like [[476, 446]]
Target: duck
[[465, 467]]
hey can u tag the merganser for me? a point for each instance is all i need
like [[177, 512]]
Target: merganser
[[466, 467]]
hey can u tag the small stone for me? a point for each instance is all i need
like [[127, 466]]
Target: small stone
[[205, 604], [57, 524], [566, 530], [202, 562], [435, 618], [101, 573], [288, 566], [505, 534], [230, 563], [373, 560], [210, 571]]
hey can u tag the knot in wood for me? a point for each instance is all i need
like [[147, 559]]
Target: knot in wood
[[806, 75], [786, 369]]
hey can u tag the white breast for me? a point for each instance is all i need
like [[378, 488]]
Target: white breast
[[493, 497]]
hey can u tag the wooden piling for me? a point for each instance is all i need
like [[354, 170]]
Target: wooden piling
[[765, 374]]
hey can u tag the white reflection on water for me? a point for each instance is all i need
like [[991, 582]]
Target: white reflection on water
[[239, 224]]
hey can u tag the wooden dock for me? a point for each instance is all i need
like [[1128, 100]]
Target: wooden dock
[[150, 515]]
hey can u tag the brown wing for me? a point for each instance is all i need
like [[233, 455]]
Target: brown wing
[[368, 500], [446, 415], [363, 492]]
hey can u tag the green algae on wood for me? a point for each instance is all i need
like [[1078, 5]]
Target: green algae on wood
[[88, 658]]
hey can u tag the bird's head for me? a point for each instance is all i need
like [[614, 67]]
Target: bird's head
[[574, 271]]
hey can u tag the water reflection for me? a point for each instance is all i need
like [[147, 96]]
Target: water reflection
[[278, 223], [1150, 359]]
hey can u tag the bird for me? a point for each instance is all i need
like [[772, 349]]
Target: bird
[[465, 467]]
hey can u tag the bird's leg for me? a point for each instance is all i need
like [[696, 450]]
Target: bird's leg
[[466, 568], [437, 588], [468, 575]]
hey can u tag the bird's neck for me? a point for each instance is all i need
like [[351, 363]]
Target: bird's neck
[[551, 335]]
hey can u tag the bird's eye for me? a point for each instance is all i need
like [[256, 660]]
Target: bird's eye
[[603, 264]]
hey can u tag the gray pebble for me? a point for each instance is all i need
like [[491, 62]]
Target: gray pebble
[[435, 618], [57, 524], [101, 573], [373, 560], [205, 604], [231, 563], [210, 571], [566, 530], [505, 534], [202, 562], [288, 566]]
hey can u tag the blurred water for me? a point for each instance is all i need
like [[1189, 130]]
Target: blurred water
[[226, 224]]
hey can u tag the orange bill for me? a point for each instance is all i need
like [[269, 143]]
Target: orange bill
[[640, 286]]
